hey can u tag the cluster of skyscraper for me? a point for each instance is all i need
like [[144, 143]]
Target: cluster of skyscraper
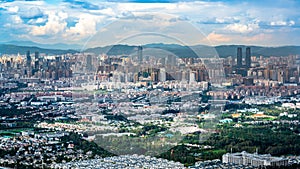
[[40, 67], [159, 68], [36, 65], [240, 58], [240, 67]]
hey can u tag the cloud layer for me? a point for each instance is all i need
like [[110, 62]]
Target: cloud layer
[[265, 23]]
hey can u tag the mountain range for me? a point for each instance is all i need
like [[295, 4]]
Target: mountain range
[[13, 49], [61, 46], [175, 49]]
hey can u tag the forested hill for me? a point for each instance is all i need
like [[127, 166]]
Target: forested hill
[[14, 49], [178, 50]]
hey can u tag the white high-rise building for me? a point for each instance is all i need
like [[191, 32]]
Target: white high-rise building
[[163, 76], [192, 77]]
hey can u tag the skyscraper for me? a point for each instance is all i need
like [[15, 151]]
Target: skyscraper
[[171, 60], [140, 54], [89, 65], [239, 57], [36, 55], [248, 57], [28, 59], [36, 60], [162, 75]]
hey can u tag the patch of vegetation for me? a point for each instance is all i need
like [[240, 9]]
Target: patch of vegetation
[[80, 143]]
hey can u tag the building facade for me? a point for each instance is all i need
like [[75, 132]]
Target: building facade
[[244, 158]]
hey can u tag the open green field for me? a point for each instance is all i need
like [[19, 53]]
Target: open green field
[[12, 132]]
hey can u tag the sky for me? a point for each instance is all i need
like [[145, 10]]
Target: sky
[[105, 22]]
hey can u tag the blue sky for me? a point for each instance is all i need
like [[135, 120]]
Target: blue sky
[[252, 22]]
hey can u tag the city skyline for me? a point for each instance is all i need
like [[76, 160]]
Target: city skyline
[[149, 84], [224, 22]]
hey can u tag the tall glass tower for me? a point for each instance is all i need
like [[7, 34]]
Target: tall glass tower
[[239, 57], [248, 57]]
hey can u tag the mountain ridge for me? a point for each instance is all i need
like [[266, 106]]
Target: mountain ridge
[[178, 50], [61, 46], [13, 49]]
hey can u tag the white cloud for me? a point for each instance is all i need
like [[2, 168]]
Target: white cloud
[[262, 37], [282, 23], [150, 28], [56, 24], [278, 23], [223, 23], [107, 11], [17, 19], [216, 38], [242, 28], [37, 21], [86, 26], [291, 23], [13, 9], [32, 12]]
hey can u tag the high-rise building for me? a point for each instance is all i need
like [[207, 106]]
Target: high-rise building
[[36, 64], [36, 55], [162, 74], [28, 59], [140, 54], [248, 57], [89, 65], [171, 60], [192, 77], [239, 57]]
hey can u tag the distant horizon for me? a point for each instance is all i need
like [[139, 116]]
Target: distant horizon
[[37, 45], [221, 51]]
